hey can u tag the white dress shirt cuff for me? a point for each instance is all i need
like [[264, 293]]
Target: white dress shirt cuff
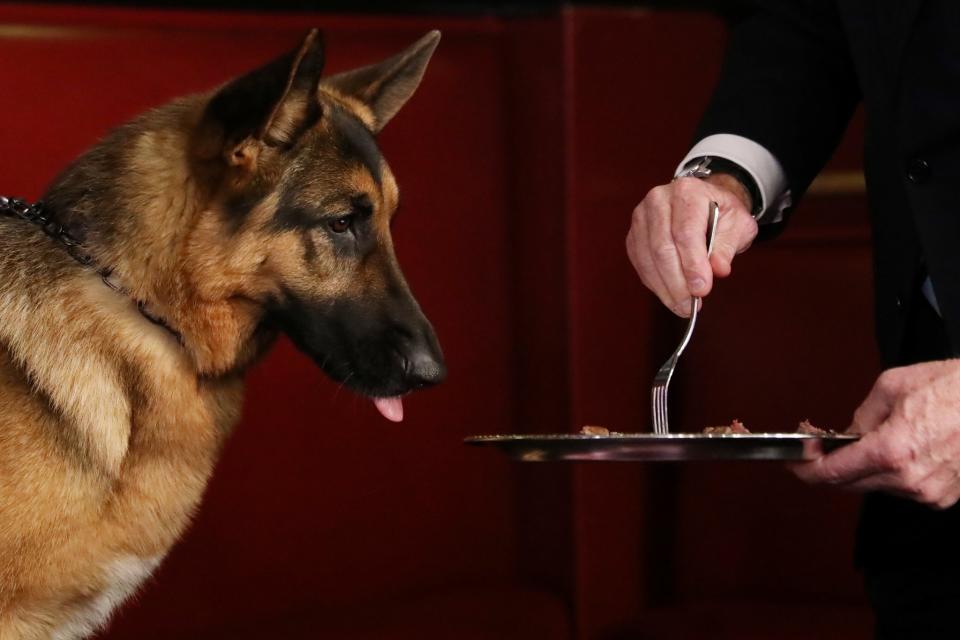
[[757, 161]]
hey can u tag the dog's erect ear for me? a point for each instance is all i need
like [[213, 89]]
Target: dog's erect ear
[[272, 105], [386, 86]]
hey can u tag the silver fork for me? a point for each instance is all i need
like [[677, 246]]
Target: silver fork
[[662, 380]]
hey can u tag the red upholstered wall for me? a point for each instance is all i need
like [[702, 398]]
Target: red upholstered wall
[[519, 160]]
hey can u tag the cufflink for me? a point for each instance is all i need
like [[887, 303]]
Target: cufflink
[[696, 168], [705, 166]]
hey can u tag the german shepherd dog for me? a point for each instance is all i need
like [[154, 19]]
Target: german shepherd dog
[[219, 220]]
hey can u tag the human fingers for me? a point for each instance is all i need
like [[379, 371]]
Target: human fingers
[[939, 488], [690, 202], [874, 454], [911, 438], [667, 242], [663, 251], [638, 243], [642, 261], [879, 403]]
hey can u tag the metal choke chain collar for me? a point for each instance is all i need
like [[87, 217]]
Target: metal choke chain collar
[[37, 214]]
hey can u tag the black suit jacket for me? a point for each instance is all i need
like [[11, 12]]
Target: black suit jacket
[[794, 73]]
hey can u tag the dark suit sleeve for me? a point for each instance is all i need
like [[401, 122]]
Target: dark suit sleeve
[[789, 84]]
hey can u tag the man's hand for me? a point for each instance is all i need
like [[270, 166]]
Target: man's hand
[[667, 240], [910, 444]]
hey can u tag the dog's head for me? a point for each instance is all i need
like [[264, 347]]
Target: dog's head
[[307, 201]]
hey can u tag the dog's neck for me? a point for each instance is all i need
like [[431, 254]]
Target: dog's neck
[[44, 218], [160, 196]]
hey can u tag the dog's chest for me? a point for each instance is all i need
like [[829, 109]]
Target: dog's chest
[[122, 577]]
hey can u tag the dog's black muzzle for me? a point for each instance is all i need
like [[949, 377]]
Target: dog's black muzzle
[[378, 347]]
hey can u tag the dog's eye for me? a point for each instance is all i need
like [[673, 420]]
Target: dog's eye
[[341, 225]]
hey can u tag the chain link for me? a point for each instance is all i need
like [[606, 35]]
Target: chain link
[[36, 213]]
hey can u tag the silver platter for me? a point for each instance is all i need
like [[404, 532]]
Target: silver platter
[[672, 446]]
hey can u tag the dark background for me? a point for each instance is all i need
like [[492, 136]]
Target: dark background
[[537, 129], [433, 7]]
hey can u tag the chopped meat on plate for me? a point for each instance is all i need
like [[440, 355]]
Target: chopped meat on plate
[[591, 430], [735, 427], [806, 427]]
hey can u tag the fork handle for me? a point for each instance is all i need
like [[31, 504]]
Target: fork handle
[[712, 221]]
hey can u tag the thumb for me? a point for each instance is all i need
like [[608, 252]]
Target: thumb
[[724, 251], [735, 233], [736, 228], [875, 408]]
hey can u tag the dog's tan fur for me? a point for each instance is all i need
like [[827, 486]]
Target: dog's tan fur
[[110, 427]]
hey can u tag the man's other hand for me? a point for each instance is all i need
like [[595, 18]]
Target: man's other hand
[[667, 240], [910, 443]]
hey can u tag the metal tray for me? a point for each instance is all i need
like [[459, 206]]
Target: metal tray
[[671, 446]]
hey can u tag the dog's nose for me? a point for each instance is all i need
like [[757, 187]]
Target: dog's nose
[[424, 366]]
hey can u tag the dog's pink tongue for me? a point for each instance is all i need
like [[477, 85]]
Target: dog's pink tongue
[[390, 408]]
